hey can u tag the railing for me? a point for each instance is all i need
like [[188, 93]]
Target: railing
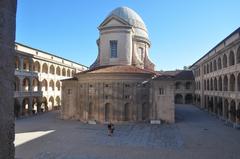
[[27, 93]]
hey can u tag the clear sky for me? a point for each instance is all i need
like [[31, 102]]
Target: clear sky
[[181, 31]]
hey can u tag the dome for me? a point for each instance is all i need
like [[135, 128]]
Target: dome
[[129, 16]]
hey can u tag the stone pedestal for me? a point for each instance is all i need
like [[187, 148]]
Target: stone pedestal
[[7, 38]]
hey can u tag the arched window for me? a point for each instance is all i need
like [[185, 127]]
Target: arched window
[[63, 72], [68, 72], [219, 63], [215, 84], [26, 84], [44, 85], [238, 55], [220, 83], [52, 69], [211, 84], [58, 85], [58, 71], [232, 82], [215, 65], [178, 85], [26, 64], [178, 99], [51, 85], [225, 83], [207, 68], [73, 72], [16, 84], [211, 67], [45, 68], [36, 66], [208, 85], [231, 58], [140, 53], [35, 84], [224, 61]]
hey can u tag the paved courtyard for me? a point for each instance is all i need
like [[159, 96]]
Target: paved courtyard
[[195, 135]]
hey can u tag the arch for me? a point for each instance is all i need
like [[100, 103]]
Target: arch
[[238, 82], [214, 65], [220, 83], [63, 72], [232, 82], [215, 84], [35, 84], [58, 71], [145, 111], [51, 85], [44, 85], [26, 84], [207, 68], [188, 99], [68, 73], [58, 85], [58, 101], [178, 99], [35, 105], [208, 85], [127, 112], [205, 85], [238, 55], [225, 83], [73, 72], [188, 85], [36, 66], [17, 63], [226, 108], [51, 103], [220, 106], [45, 68], [44, 104], [52, 69], [178, 85], [211, 67], [211, 84], [231, 58], [219, 63], [107, 111], [224, 61], [233, 111], [90, 111], [25, 105], [16, 84], [26, 64]]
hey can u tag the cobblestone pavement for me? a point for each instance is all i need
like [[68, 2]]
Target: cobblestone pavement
[[195, 135]]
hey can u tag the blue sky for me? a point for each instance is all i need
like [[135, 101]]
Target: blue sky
[[181, 31]]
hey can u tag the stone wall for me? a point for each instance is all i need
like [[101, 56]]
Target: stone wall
[[7, 38]]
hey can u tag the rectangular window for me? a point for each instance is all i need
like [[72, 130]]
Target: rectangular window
[[113, 48], [161, 91]]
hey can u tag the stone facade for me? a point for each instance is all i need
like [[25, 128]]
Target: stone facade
[[217, 79], [7, 38], [38, 76]]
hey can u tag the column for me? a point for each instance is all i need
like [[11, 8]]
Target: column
[[30, 106], [20, 84]]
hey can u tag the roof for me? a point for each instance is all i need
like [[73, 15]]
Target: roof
[[129, 16], [118, 69], [178, 74], [223, 41]]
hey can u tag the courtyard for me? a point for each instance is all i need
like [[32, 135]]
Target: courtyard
[[196, 134]]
